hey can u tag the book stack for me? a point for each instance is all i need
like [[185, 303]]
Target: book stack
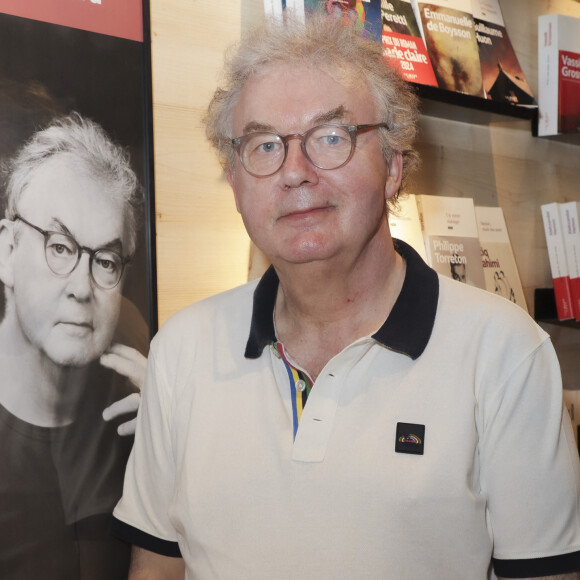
[[563, 241], [461, 241], [558, 74], [456, 45]]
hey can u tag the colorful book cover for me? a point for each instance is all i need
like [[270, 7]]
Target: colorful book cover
[[451, 237], [402, 42], [558, 74], [405, 224], [366, 14], [448, 29], [558, 261], [497, 257], [502, 75], [570, 219]]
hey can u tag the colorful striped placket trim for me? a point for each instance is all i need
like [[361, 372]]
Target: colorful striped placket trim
[[300, 387]]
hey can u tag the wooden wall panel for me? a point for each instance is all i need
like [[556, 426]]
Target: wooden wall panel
[[202, 247]]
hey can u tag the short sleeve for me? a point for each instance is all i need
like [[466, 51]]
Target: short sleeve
[[529, 463], [142, 515]]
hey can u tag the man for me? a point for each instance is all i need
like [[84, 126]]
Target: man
[[73, 206], [353, 414]]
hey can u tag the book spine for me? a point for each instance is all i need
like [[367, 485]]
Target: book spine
[[557, 259], [547, 75], [569, 216]]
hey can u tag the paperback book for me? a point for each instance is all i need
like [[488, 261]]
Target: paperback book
[[557, 259], [502, 75], [404, 224], [570, 219], [403, 45], [451, 237], [497, 258], [448, 29], [558, 74]]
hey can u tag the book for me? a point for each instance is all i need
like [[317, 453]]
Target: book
[[570, 219], [502, 76], [405, 224], [557, 259], [365, 14], [451, 237], [558, 74], [497, 258], [448, 29], [403, 44]]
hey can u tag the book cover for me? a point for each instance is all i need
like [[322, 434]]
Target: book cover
[[451, 237], [558, 74], [570, 218], [366, 14], [497, 258], [557, 258], [502, 75], [448, 29], [405, 224], [403, 44]]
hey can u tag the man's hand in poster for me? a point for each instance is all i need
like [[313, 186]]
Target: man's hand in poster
[[132, 364]]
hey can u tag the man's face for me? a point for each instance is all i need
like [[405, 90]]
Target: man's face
[[302, 213], [68, 318]]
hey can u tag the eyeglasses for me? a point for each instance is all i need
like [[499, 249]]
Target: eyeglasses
[[328, 146], [63, 254]]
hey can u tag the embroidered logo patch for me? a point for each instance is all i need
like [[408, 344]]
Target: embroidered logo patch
[[410, 438]]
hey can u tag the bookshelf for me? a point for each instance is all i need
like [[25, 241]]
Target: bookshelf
[[436, 102], [545, 308]]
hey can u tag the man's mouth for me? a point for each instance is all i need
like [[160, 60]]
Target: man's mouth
[[306, 213], [76, 326]]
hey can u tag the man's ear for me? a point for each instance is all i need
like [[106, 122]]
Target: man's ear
[[393, 183], [7, 247], [231, 181]]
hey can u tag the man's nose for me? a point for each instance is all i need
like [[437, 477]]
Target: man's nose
[[297, 168], [79, 282]]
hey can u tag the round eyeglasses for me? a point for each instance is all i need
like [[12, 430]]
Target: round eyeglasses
[[63, 254], [328, 146]]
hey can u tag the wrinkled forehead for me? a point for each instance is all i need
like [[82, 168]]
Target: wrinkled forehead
[[289, 89]]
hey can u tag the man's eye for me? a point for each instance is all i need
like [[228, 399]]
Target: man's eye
[[268, 147], [107, 265], [332, 140], [61, 250]]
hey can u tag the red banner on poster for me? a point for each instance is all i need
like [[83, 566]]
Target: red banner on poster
[[123, 19]]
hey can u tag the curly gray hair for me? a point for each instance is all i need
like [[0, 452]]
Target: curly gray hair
[[330, 45]]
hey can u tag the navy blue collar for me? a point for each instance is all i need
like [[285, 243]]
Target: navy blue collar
[[407, 329]]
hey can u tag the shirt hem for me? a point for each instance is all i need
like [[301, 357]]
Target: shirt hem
[[144, 540], [534, 567]]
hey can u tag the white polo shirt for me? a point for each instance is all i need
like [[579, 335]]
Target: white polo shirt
[[423, 451]]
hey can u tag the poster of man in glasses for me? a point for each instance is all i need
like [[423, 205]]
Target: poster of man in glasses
[[76, 306]]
